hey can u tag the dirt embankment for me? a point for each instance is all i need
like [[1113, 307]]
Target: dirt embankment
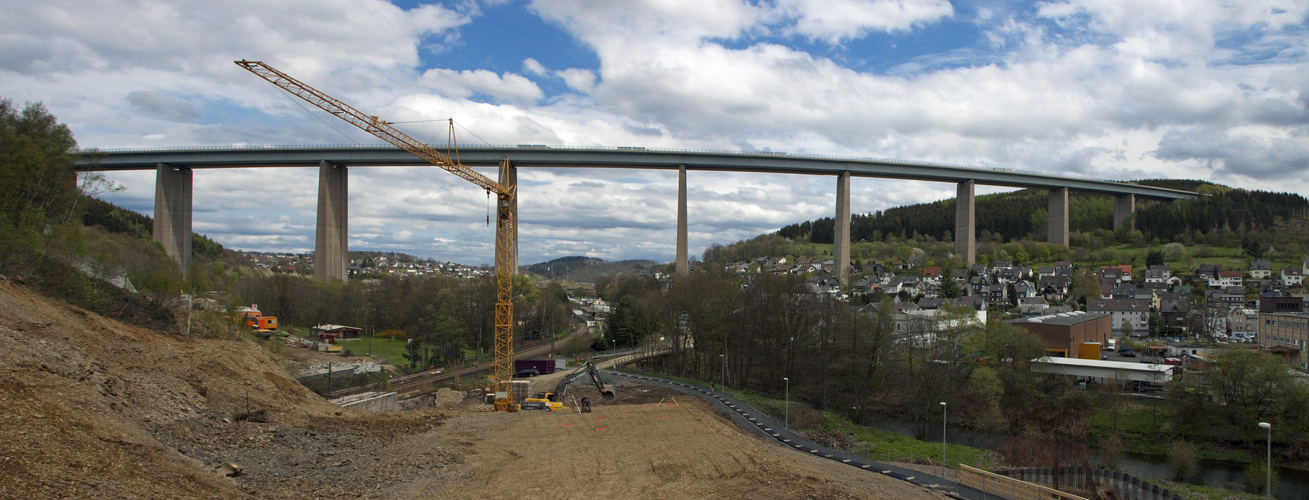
[[92, 408]]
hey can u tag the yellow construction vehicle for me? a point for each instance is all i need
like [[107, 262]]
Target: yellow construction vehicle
[[506, 220], [554, 401]]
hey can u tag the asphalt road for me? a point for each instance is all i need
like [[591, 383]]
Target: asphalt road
[[756, 422]]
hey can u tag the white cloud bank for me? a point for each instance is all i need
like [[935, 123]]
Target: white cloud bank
[[1108, 88]]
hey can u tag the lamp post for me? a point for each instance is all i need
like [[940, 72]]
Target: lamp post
[[787, 425], [943, 407], [722, 380], [1268, 479]]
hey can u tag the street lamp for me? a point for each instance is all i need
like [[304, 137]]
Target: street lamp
[[943, 407], [722, 381], [1268, 480], [788, 402]]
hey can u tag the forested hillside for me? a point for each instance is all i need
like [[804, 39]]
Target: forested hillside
[[1022, 215], [589, 269]]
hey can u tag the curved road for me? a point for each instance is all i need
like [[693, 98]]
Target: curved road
[[754, 421]]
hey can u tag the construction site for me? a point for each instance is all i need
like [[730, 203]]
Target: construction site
[[94, 408]]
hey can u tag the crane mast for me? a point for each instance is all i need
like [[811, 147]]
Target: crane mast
[[505, 220]]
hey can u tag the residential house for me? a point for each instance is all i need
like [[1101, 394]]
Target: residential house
[[823, 285], [960, 275], [1157, 274], [1045, 271], [1226, 279], [1260, 269], [865, 284], [930, 302], [1292, 276], [979, 270], [1207, 272], [1233, 296], [978, 284], [1024, 290], [973, 301], [1107, 287], [1173, 312], [1034, 306], [1114, 273], [997, 296], [1002, 263], [932, 274], [1124, 292], [1162, 295], [1134, 312], [1008, 274], [1054, 287], [1063, 268], [1242, 321], [1271, 288]]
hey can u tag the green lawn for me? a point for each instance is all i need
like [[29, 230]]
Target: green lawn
[[1196, 492]]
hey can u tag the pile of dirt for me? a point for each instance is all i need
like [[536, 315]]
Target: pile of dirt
[[93, 408]]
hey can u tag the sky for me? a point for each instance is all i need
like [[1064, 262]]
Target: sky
[[1113, 89]]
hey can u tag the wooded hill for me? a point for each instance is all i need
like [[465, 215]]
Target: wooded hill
[[1021, 215], [589, 269]]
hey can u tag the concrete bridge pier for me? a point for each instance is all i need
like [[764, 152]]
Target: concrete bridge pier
[[682, 265], [965, 223], [841, 236], [172, 226], [509, 179], [331, 238], [1057, 217], [1124, 206]]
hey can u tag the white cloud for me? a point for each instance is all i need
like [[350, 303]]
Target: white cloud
[[581, 80], [534, 67], [1107, 88], [834, 21], [508, 87]]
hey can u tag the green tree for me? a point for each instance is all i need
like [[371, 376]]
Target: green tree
[[1154, 258], [949, 288], [1127, 328], [38, 190], [1184, 458]]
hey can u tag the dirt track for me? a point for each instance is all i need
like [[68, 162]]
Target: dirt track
[[91, 408]]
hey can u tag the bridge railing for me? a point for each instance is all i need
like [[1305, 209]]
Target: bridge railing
[[616, 149]]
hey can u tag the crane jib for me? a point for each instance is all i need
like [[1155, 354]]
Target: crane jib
[[506, 240]]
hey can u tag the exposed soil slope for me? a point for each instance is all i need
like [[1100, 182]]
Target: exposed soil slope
[[92, 408]]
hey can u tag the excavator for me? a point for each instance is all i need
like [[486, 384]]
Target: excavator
[[554, 401]]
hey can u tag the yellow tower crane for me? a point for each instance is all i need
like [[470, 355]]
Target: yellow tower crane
[[506, 211]]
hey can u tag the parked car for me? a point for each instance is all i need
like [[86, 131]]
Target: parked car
[[528, 372], [1127, 353]]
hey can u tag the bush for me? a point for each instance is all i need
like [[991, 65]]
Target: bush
[[394, 334], [1257, 475], [1184, 458]]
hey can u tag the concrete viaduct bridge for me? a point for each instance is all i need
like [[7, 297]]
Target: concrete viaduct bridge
[[173, 185]]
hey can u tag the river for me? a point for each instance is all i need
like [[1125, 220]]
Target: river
[[1293, 485]]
